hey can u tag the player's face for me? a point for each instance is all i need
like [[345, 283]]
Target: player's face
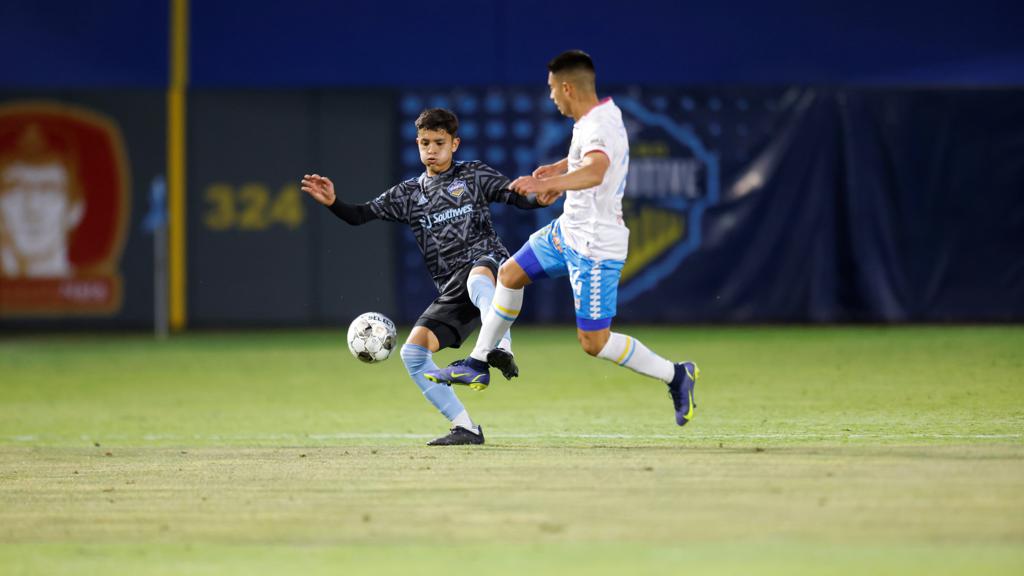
[[558, 94], [436, 149], [35, 208]]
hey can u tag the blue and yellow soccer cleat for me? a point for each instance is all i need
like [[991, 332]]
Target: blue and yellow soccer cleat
[[470, 372], [681, 389]]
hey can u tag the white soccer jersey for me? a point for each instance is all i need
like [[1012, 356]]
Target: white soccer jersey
[[591, 219]]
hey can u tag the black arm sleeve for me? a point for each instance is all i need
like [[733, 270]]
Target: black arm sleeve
[[524, 202], [354, 214]]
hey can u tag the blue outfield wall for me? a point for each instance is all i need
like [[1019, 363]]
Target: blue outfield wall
[[407, 43], [70, 44], [478, 42]]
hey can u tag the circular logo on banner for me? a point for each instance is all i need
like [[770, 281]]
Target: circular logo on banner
[[64, 205]]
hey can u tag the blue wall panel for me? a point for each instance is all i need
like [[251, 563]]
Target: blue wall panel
[[476, 42], [304, 43], [65, 43]]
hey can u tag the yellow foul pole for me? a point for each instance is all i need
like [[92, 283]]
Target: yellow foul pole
[[176, 188]]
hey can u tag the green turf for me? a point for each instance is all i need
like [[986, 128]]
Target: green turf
[[814, 451]]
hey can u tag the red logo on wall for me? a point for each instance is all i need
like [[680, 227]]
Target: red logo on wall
[[64, 205]]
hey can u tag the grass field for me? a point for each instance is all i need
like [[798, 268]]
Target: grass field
[[814, 451]]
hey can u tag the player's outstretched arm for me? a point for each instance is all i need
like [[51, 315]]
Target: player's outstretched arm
[[522, 201], [322, 190], [590, 173], [498, 189], [549, 170]]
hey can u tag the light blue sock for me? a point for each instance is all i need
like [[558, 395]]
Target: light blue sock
[[418, 360], [481, 292]]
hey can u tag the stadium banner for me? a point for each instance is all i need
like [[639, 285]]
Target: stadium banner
[[75, 174], [774, 205], [261, 253]]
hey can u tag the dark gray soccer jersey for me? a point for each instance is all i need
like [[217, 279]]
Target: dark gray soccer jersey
[[449, 215]]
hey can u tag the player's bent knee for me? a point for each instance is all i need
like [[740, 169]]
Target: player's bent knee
[[511, 275], [423, 337], [482, 271], [592, 342], [590, 349]]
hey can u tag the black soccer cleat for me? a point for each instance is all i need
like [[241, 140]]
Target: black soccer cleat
[[459, 436], [681, 389], [503, 360]]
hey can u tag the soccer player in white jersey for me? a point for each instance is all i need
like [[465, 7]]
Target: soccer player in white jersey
[[587, 243]]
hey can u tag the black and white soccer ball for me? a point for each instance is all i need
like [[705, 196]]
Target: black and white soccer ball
[[372, 337]]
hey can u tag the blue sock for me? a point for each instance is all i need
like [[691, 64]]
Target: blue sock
[[481, 292], [418, 360]]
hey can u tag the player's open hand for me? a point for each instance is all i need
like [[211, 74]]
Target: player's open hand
[[320, 188]]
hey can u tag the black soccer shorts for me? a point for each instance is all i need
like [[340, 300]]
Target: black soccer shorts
[[452, 317]]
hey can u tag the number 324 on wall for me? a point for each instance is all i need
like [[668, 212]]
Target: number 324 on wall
[[251, 206]]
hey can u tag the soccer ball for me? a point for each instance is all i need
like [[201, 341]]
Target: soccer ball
[[372, 337]]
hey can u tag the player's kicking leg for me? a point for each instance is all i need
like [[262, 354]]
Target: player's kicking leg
[[504, 309], [629, 352], [481, 283], [541, 257], [597, 292], [417, 355]]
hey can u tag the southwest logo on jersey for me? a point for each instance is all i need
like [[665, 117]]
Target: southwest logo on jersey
[[457, 188], [443, 216]]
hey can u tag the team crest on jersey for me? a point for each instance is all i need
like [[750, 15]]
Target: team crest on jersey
[[457, 188]]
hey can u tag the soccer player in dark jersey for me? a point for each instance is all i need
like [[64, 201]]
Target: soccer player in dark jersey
[[447, 208]]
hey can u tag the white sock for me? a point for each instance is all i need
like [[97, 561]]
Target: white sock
[[504, 311], [631, 353], [463, 420], [481, 293]]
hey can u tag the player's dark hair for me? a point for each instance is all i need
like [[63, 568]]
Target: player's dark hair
[[438, 119], [571, 61]]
